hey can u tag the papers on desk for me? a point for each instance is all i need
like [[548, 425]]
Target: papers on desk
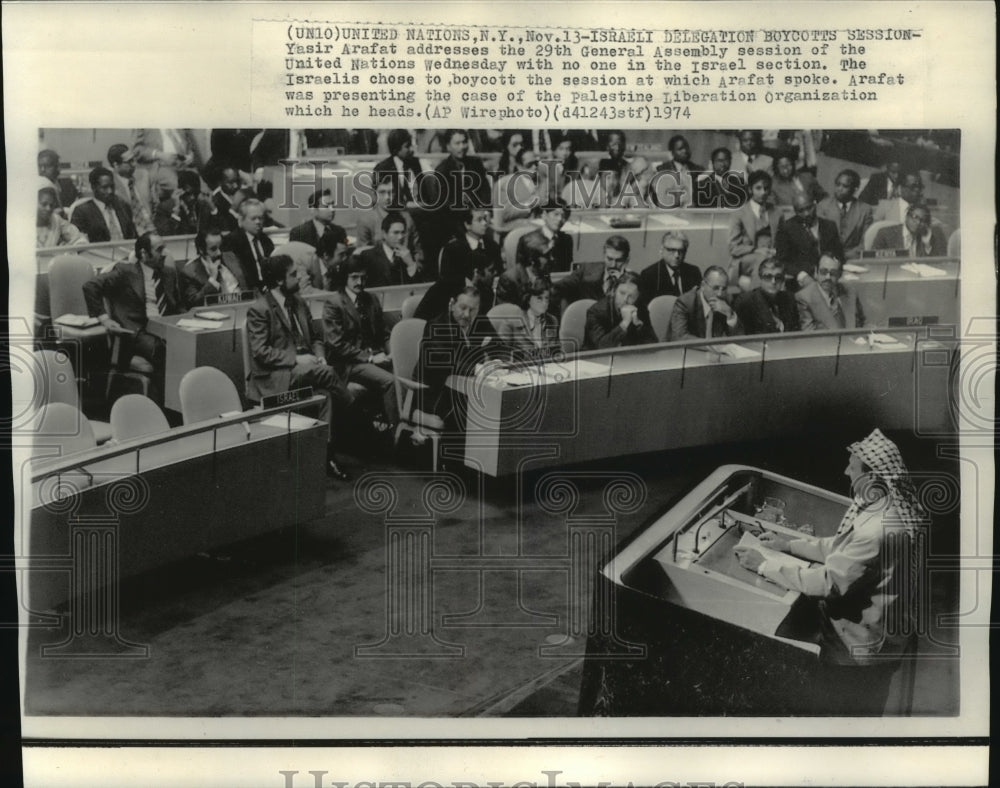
[[197, 324], [77, 321], [295, 421], [212, 315], [773, 557], [882, 342], [853, 268], [922, 269], [735, 351]]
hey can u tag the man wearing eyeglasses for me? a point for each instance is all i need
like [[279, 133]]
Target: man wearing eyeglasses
[[827, 303], [515, 196], [670, 275], [769, 308], [916, 234]]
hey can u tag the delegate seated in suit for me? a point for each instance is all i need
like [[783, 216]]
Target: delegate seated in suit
[[721, 188], [528, 330], [369, 223], [828, 303], [321, 223], [135, 292], [390, 262], [851, 216], [212, 272], [752, 231], [704, 311], [911, 192], [49, 168], [769, 308], [803, 238], [916, 234], [401, 168], [670, 275], [619, 319], [285, 352], [453, 343], [356, 336], [249, 243], [582, 284], [749, 158], [104, 217], [882, 185], [556, 244], [787, 184]]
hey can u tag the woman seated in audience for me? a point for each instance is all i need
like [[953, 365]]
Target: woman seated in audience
[[787, 184], [519, 275], [51, 229], [530, 331], [512, 142]]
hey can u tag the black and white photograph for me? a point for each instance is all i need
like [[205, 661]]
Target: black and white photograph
[[527, 407]]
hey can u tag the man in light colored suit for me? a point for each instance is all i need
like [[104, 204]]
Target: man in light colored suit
[[851, 215], [285, 352], [748, 158], [132, 185], [753, 230], [828, 303]]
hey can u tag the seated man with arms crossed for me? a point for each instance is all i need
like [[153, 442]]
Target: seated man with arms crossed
[[704, 311], [286, 354], [828, 303], [136, 292], [768, 309], [619, 319], [356, 336]]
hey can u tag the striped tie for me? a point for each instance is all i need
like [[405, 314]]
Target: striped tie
[[161, 300]]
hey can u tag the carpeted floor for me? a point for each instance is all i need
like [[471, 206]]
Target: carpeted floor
[[273, 627]]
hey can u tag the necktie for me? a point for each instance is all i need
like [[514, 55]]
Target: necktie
[[777, 320], [258, 254], [111, 219], [161, 299], [838, 312], [843, 218], [138, 209], [708, 324], [294, 324]]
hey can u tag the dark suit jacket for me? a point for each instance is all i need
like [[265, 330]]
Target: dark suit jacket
[[351, 330], [560, 255], [815, 313], [513, 334], [875, 189], [87, 217], [459, 261], [379, 266], [387, 165], [687, 321], [799, 250], [892, 238], [444, 352], [124, 288], [655, 281], [604, 327], [709, 193], [575, 288], [851, 227], [445, 192], [194, 282], [439, 295], [756, 317], [238, 243], [306, 233], [272, 345], [171, 218]]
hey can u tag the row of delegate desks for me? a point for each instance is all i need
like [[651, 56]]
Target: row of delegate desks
[[603, 404], [890, 295], [163, 497]]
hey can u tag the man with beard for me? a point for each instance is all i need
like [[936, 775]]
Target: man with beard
[[285, 352], [210, 273], [828, 303], [768, 309]]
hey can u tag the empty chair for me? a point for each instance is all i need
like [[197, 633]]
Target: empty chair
[[573, 325], [404, 347], [207, 393], [61, 429], [67, 275], [61, 385], [660, 309], [409, 307], [135, 416], [955, 244]]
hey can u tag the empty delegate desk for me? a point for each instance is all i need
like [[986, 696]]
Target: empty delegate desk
[[164, 497], [604, 404]]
